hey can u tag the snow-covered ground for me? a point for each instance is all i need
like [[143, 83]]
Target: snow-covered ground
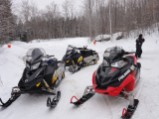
[[99, 107]]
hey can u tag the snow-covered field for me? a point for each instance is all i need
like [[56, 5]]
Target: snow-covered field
[[99, 107]]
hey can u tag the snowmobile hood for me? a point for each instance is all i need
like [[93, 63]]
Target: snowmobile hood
[[29, 80], [109, 75], [31, 77]]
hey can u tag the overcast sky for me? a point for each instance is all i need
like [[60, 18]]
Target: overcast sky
[[41, 4]]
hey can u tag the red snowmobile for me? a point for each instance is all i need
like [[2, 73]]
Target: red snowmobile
[[116, 76]]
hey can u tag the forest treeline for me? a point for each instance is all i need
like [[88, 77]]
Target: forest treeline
[[94, 19]]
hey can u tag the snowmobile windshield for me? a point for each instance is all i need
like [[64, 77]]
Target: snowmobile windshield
[[35, 54], [71, 49], [34, 57], [112, 54]]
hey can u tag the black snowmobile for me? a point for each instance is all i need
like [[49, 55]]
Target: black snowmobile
[[76, 58], [42, 75], [118, 75]]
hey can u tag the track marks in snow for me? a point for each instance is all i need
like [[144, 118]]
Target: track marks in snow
[[107, 104]]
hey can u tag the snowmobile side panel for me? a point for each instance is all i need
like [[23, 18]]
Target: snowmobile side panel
[[127, 84]]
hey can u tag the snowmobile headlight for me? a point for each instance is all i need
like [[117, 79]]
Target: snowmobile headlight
[[28, 58], [27, 65], [68, 52], [105, 63], [44, 59], [35, 66], [107, 54], [119, 64]]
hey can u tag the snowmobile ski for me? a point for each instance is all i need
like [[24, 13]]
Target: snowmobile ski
[[14, 96], [52, 103], [88, 93], [128, 113]]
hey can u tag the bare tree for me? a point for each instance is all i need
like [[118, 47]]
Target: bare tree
[[89, 4], [126, 15]]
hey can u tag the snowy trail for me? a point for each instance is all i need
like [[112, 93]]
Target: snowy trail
[[99, 107]]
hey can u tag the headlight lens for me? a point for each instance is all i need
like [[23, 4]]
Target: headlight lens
[[35, 66], [28, 58], [119, 64], [68, 52], [105, 63], [69, 48], [27, 65], [107, 54]]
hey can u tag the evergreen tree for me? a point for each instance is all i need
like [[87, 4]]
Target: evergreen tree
[[6, 20]]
